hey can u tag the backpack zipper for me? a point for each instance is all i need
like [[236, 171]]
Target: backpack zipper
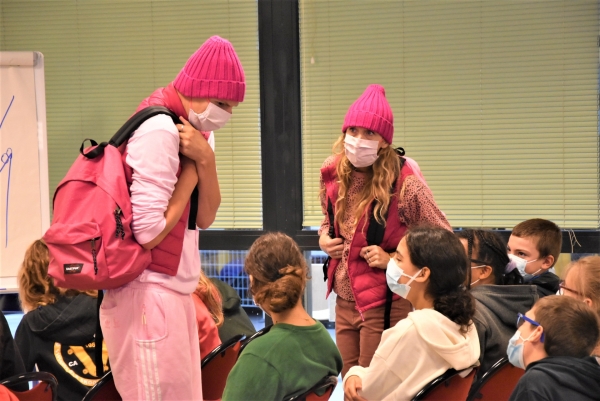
[[120, 231], [94, 255]]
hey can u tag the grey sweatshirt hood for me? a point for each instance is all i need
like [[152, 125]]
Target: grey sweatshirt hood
[[504, 302], [496, 309]]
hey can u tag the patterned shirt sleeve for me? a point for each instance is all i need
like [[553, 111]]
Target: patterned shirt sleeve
[[323, 197], [416, 205]]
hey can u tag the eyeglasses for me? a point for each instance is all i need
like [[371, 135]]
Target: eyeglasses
[[562, 288], [521, 318]]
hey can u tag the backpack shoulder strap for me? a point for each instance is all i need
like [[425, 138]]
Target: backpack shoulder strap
[[134, 122], [125, 132], [123, 135]]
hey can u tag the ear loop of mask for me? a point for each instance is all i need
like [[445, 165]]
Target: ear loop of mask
[[476, 267], [538, 270]]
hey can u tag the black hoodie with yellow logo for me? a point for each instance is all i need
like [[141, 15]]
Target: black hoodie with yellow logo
[[59, 339]]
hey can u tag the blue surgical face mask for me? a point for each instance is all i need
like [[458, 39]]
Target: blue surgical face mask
[[393, 274], [515, 351]]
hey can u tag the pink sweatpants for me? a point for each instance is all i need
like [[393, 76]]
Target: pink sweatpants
[[152, 339]]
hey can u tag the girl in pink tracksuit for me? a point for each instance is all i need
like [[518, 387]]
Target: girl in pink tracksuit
[[149, 324]]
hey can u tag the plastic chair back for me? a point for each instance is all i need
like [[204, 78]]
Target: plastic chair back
[[216, 367], [45, 390], [497, 383], [259, 333], [319, 392], [103, 390], [449, 386]]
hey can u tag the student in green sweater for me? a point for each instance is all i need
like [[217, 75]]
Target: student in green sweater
[[297, 352]]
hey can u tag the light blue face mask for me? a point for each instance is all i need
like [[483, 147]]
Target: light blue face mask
[[393, 274], [515, 351]]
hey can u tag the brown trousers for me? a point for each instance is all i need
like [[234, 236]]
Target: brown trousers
[[357, 339]]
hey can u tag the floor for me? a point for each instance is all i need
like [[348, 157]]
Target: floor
[[258, 321]]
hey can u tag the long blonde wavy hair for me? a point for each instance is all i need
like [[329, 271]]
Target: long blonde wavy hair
[[36, 288], [209, 294], [380, 178]]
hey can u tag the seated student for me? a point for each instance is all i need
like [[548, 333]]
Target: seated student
[[429, 269], [534, 245], [57, 330], [11, 363], [298, 351], [235, 321], [553, 343], [582, 281], [209, 314], [499, 293]]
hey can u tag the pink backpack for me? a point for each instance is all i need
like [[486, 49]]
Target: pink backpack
[[90, 240]]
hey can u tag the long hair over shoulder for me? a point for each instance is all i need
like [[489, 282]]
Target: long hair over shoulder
[[36, 288], [381, 176], [210, 296], [442, 252]]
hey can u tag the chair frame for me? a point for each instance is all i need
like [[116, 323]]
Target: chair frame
[[43, 377], [259, 333], [326, 383], [89, 396], [438, 381], [221, 348], [487, 376], [214, 376]]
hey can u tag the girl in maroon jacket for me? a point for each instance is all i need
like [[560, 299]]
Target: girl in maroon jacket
[[370, 195]]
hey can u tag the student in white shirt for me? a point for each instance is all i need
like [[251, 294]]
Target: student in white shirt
[[428, 269]]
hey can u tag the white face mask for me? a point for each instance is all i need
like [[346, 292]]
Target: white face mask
[[361, 152], [521, 263], [211, 119], [393, 274]]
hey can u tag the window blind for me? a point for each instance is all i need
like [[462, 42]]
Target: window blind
[[496, 101], [103, 57]]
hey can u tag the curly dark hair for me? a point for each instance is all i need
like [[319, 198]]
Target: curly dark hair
[[442, 252], [278, 270], [489, 248]]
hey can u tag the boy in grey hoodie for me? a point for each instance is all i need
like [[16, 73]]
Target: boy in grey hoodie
[[499, 293]]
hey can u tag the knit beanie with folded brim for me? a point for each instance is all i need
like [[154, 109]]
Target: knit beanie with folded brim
[[373, 112], [213, 71]]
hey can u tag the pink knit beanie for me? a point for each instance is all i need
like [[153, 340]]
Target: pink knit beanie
[[373, 112], [213, 71]]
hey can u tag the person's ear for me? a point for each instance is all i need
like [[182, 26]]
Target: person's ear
[[423, 275], [588, 302], [547, 262], [538, 335], [384, 144], [485, 272]]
